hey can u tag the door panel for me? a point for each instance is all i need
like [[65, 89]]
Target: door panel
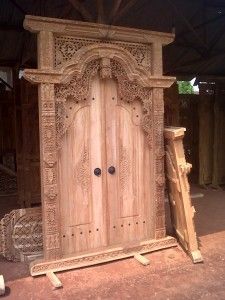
[[115, 207], [129, 188], [81, 192]]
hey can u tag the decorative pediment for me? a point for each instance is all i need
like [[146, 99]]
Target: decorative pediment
[[102, 51]]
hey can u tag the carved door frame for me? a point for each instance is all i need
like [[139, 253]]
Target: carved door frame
[[136, 79]]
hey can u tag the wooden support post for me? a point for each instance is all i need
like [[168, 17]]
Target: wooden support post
[[143, 260], [54, 280], [2, 285]]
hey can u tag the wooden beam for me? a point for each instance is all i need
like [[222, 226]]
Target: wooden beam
[[54, 280], [114, 10], [18, 7], [5, 83], [187, 23], [124, 10], [143, 260], [101, 14], [82, 10], [207, 22]]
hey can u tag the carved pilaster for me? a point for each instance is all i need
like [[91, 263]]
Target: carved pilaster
[[49, 171], [157, 67], [158, 116]]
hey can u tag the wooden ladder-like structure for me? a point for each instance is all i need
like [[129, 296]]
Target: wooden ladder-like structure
[[179, 192]]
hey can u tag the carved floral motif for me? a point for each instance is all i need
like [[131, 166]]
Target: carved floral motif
[[78, 90], [66, 48], [82, 171], [124, 168]]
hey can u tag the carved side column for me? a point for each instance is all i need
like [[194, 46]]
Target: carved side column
[[48, 157], [158, 121]]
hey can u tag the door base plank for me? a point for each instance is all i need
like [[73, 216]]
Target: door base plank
[[54, 280], [41, 267], [141, 259]]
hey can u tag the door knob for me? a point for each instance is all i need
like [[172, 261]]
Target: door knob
[[111, 170], [97, 171]]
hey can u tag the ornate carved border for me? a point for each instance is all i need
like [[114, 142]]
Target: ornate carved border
[[115, 61], [41, 267]]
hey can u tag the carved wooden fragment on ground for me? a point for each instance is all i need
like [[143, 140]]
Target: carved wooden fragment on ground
[[21, 234], [101, 132], [179, 192]]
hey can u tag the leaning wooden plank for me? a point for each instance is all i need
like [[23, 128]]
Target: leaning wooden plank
[[2, 285], [143, 260], [179, 192], [54, 280]]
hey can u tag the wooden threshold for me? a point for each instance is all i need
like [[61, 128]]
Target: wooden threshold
[[42, 267]]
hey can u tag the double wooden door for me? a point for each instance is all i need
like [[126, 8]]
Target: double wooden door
[[104, 172]]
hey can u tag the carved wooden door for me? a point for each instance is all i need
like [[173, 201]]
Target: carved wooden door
[[104, 172], [82, 193], [128, 163]]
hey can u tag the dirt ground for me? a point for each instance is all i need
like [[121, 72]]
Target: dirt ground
[[170, 275]]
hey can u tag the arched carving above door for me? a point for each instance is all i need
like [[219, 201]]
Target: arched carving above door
[[77, 90]]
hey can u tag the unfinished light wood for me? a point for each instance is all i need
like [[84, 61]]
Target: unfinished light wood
[[100, 106], [2, 285], [141, 259], [41, 267], [179, 192], [54, 280]]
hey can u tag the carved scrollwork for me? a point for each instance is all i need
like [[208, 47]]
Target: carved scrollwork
[[78, 91], [66, 48], [82, 171], [130, 91], [124, 167], [75, 91]]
